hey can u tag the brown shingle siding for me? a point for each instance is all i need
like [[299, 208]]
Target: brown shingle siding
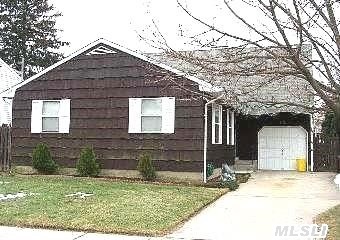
[[99, 88]]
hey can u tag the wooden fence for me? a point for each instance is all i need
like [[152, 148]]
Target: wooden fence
[[5, 147], [326, 154]]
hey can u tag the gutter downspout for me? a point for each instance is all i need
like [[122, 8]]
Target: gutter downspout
[[206, 136]]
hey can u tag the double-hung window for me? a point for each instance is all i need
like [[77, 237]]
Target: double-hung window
[[230, 127], [152, 115], [50, 116], [216, 124]]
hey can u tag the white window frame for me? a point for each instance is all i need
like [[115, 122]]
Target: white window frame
[[50, 116], [63, 116], [213, 122], [168, 115], [230, 127], [151, 115]]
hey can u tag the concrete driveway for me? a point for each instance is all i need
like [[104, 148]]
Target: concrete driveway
[[268, 199]]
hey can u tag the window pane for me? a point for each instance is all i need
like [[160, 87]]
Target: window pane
[[230, 123], [151, 124], [50, 124], [152, 107], [230, 136], [217, 133], [50, 108], [217, 115]]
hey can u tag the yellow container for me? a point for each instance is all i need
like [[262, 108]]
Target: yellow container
[[301, 164]]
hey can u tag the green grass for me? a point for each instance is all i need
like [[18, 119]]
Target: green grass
[[116, 206], [332, 218]]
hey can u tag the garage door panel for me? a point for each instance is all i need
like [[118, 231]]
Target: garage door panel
[[280, 146], [263, 143]]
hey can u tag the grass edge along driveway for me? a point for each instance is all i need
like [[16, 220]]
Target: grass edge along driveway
[[332, 218], [115, 206]]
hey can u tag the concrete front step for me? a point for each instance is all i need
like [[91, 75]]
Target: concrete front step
[[237, 168], [245, 165], [245, 162]]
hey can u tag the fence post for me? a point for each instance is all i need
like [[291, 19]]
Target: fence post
[[5, 147]]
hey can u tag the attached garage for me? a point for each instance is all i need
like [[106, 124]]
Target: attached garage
[[279, 146]]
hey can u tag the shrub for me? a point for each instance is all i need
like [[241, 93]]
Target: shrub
[[242, 177], [210, 169], [329, 124], [87, 164], [231, 184], [145, 167], [42, 159]]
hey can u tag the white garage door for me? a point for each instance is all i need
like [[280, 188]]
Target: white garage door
[[278, 147]]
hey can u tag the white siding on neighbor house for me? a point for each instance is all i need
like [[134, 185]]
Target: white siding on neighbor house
[[5, 110], [8, 78]]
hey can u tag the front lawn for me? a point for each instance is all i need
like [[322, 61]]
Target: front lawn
[[332, 218], [115, 206]]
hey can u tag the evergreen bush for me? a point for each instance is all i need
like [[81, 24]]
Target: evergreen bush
[[87, 165], [231, 184], [210, 169], [42, 160], [145, 167]]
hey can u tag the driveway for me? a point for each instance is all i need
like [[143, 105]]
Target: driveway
[[268, 199], [252, 212]]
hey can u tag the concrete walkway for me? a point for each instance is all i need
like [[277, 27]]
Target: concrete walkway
[[251, 212], [267, 200]]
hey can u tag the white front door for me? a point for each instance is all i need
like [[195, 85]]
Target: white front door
[[279, 146]]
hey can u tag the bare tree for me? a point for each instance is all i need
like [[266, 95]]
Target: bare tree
[[287, 57], [275, 52]]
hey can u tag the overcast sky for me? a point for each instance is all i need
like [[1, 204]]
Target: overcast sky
[[84, 21]]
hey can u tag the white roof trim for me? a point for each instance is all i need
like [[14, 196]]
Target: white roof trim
[[203, 86]]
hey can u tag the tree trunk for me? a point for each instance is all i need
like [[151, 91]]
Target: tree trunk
[[338, 153], [337, 125]]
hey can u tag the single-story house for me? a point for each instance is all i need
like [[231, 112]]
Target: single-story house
[[123, 103], [8, 78]]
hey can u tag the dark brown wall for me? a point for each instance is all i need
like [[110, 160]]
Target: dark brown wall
[[219, 153], [247, 128], [99, 87]]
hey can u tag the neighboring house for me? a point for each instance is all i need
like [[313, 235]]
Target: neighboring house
[[123, 103], [8, 78]]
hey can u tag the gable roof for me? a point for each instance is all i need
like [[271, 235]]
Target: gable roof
[[203, 85], [8, 78], [250, 94]]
